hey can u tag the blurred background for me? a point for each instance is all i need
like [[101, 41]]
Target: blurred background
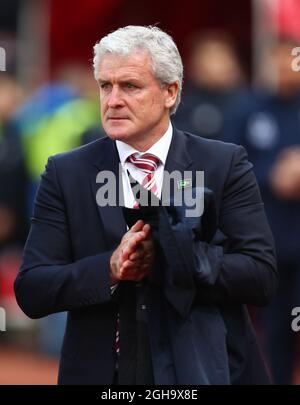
[[242, 85]]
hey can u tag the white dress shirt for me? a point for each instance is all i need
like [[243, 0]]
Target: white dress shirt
[[160, 149]]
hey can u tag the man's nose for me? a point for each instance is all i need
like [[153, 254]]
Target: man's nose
[[115, 98]]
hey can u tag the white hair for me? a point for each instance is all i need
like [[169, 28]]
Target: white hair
[[166, 61]]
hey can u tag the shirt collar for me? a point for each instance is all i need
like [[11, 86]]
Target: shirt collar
[[159, 149]]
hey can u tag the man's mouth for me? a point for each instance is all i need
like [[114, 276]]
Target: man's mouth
[[117, 118]]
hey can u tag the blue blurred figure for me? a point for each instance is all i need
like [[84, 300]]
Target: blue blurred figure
[[57, 117], [269, 128]]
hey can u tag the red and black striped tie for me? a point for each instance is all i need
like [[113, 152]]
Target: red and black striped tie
[[147, 163]]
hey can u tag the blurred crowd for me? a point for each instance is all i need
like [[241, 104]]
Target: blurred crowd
[[35, 124], [218, 103]]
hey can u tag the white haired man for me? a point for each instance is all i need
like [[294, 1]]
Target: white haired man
[[80, 257]]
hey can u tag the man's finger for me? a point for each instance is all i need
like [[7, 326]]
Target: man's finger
[[130, 269], [137, 254], [138, 226], [147, 230], [131, 265], [132, 244]]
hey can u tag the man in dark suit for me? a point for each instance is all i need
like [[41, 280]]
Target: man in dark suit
[[189, 325]]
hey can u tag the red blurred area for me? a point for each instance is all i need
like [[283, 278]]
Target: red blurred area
[[284, 17], [75, 25]]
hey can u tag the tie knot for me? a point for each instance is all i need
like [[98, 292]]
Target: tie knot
[[147, 163]]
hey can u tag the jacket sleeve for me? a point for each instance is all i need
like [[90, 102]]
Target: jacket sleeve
[[245, 272], [50, 280]]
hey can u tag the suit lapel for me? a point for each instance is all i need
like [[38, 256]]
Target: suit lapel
[[178, 159], [111, 216], [179, 289]]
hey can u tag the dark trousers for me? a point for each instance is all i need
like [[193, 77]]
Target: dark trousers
[[135, 362]]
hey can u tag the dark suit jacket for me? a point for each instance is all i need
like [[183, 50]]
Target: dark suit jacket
[[66, 266]]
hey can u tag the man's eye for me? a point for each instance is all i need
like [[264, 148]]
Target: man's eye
[[104, 86], [130, 86]]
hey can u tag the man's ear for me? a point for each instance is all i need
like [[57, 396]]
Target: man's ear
[[171, 96]]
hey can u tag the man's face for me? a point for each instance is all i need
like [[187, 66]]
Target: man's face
[[134, 105]]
